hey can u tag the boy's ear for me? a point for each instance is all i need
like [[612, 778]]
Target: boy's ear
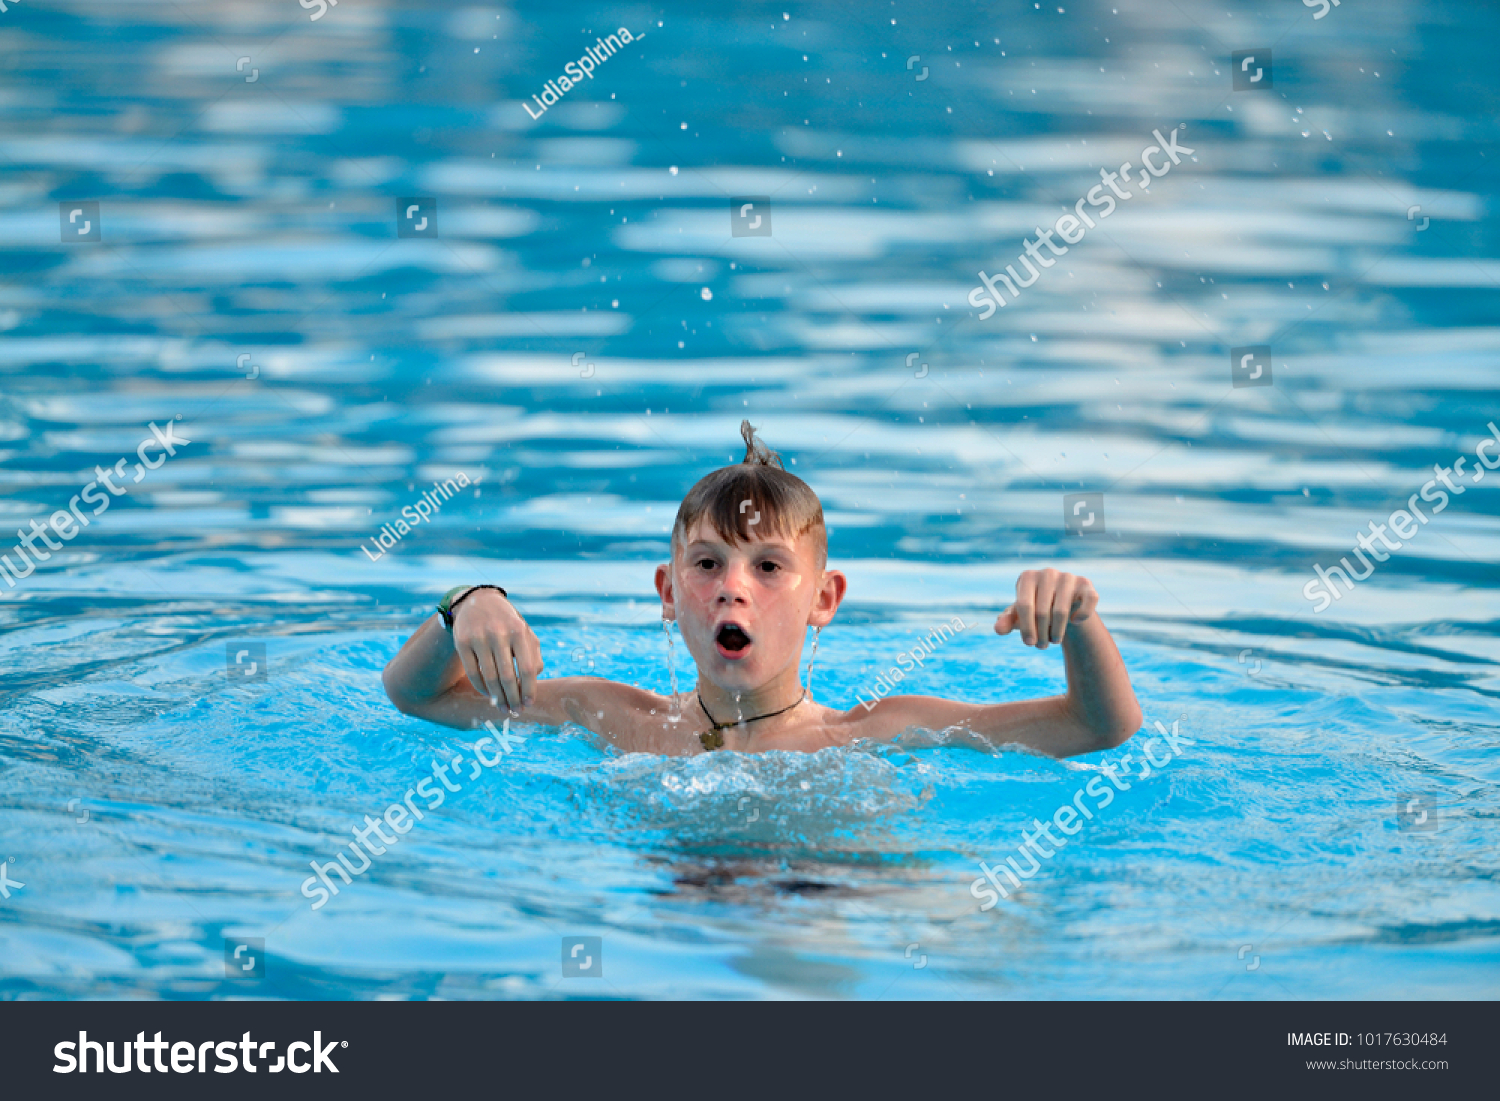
[[830, 596], [664, 590]]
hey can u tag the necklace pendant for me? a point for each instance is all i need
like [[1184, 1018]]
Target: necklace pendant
[[712, 739]]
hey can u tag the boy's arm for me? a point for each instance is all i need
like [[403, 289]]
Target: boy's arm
[[1099, 710], [486, 668]]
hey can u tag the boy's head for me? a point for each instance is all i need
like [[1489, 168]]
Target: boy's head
[[749, 570], [754, 499]]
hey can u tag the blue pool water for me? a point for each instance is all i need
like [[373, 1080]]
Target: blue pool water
[[582, 339]]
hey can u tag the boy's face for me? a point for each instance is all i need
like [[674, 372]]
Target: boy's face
[[744, 611]]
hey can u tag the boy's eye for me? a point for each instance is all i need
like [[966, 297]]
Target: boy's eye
[[770, 567], [706, 563]]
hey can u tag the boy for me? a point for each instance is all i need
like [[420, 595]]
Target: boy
[[747, 576]]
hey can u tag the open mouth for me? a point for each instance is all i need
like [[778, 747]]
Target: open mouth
[[732, 640]]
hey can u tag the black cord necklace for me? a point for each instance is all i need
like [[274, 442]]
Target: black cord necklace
[[714, 739]]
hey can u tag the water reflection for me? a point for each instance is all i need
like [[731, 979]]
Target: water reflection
[[556, 343]]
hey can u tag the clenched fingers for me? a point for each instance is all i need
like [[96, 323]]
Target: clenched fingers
[[474, 670], [505, 659], [492, 665], [1046, 594], [1070, 591], [1025, 610], [529, 665], [1046, 602], [1086, 600]]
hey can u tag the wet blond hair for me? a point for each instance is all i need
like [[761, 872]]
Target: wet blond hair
[[731, 497]]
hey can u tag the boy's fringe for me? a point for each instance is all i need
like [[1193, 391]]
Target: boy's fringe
[[752, 499]]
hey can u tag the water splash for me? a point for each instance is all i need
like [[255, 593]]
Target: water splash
[[666, 627], [813, 657]]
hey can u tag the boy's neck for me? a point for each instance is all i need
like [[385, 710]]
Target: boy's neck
[[729, 706]]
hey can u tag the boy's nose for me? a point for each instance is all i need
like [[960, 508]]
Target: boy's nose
[[735, 584]]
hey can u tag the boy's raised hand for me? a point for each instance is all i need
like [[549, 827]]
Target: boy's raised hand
[[495, 643], [1046, 602]]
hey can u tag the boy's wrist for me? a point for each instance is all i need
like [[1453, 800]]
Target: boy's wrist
[[447, 606]]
